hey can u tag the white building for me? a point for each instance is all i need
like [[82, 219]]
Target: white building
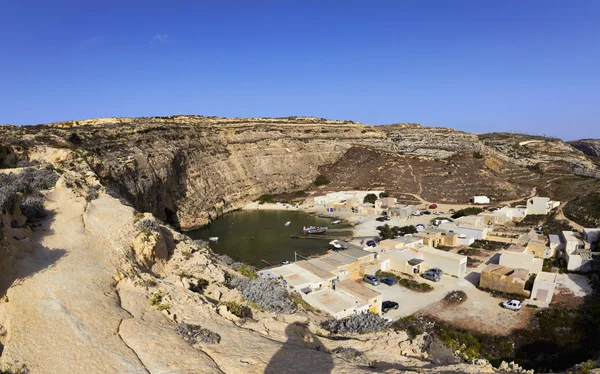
[[449, 263], [521, 260], [481, 200], [543, 286], [479, 233], [540, 205]]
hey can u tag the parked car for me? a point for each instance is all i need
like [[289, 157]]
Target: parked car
[[388, 281], [387, 305], [426, 212], [371, 279], [438, 271], [437, 213], [432, 276], [380, 219], [512, 305], [451, 211], [371, 243], [433, 206]]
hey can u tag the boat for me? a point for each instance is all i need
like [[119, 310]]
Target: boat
[[286, 262], [288, 223], [213, 238], [314, 230], [335, 222], [335, 244]]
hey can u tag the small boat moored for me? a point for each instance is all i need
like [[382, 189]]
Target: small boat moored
[[214, 238], [288, 223], [286, 262], [335, 222], [314, 230], [335, 244]]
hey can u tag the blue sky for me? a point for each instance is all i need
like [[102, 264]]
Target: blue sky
[[527, 66]]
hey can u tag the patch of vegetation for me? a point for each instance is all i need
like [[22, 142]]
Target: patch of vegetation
[[361, 323], [384, 194], [266, 293], [199, 286], [321, 180], [7, 368], [554, 225], [147, 224], [470, 211], [266, 198], [32, 207], [137, 217], [234, 308], [353, 356], [197, 334], [469, 251], [387, 232], [300, 193], [370, 198], [473, 262], [27, 182], [92, 192], [412, 284], [477, 154], [157, 301], [532, 306], [246, 270], [488, 245], [455, 297], [532, 220], [585, 210], [299, 301]]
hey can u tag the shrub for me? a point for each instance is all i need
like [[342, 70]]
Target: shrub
[[235, 308], [384, 194], [370, 198], [361, 323], [455, 297], [477, 154], [469, 251], [92, 192], [197, 334], [266, 198], [32, 207], [199, 286], [8, 198], [7, 368], [157, 301], [471, 211], [300, 193], [248, 271], [265, 293], [225, 259], [321, 180], [147, 224], [412, 284]]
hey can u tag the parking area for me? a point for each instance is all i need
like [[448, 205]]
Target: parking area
[[480, 312]]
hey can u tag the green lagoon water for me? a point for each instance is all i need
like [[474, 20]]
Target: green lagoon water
[[253, 235]]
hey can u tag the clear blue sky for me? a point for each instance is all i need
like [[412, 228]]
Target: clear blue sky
[[483, 65]]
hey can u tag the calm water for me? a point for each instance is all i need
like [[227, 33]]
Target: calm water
[[253, 235]]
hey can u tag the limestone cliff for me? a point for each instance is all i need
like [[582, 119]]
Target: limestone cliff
[[590, 147], [187, 170]]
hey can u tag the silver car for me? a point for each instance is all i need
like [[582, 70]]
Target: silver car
[[512, 305], [371, 279]]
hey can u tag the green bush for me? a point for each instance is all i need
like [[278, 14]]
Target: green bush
[[247, 271], [157, 301], [266, 198], [321, 180], [471, 211], [370, 198], [199, 286], [235, 308], [384, 194], [412, 284], [477, 154]]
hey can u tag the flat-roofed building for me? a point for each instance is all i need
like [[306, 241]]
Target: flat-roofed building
[[504, 279], [449, 263], [297, 278], [335, 303], [517, 257], [401, 242], [347, 267], [362, 294], [327, 276], [404, 261], [544, 285], [475, 232]]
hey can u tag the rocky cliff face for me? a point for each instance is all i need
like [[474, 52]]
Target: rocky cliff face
[[590, 147], [188, 170]]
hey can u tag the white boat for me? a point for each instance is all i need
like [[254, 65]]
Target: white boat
[[288, 223], [213, 238], [286, 262], [335, 244], [335, 222]]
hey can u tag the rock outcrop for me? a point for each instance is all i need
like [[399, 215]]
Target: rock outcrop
[[590, 147]]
